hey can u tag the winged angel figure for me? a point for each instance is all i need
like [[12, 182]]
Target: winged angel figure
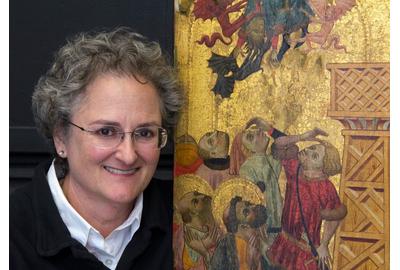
[[326, 14]]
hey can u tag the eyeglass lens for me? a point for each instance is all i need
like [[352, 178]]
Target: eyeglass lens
[[146, 137]]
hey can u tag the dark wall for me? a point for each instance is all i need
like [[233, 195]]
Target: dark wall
[[37, 29]]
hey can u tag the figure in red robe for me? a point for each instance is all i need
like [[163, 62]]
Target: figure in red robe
[[308, 171]]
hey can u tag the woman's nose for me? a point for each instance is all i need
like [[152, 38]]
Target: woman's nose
[[127, 150]]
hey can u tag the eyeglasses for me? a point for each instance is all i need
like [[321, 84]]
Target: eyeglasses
[[152, 136]]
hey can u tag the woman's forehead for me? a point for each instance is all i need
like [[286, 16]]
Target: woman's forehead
[[119, 97]]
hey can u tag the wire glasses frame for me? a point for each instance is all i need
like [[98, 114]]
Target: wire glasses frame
[[111, 136]]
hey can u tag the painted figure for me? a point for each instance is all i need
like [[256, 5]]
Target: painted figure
[[264, 171], [326, 16], [220, 9], [213, 149], [239, 208], [197, 236], [187, 159], [310, 198], [262, 24], [239, 248], [237, 155]]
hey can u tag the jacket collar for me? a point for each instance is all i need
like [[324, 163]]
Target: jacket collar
[[53, 235], [156, 212]]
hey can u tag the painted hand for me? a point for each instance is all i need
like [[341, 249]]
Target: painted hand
[[312, 135], [211, 238], [324, 258], [193, 241], [260, 123]]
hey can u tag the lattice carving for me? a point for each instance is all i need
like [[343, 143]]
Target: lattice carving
[[357, 253], [360, 90], [362, 240], [360, 100]]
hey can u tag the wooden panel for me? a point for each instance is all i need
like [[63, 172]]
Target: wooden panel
[[360, 90], [360, 101], [362, 239]]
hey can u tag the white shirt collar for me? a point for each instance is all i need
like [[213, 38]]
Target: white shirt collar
[[88, 236]]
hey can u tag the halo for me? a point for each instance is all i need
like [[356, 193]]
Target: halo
[[186, 183], [229, 189]]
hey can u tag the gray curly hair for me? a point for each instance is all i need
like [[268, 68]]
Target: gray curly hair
[[87, 55]]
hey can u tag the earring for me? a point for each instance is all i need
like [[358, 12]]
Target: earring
[[61, 153]]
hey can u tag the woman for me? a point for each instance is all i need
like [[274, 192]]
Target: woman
[[103, 104]]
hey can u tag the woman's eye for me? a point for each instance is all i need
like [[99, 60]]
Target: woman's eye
[[106, 131], [246, 212], [145, 133]]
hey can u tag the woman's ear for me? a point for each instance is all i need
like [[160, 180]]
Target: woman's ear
[[59, 139]]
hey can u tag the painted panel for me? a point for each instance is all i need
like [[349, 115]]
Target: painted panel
[[295, 65]]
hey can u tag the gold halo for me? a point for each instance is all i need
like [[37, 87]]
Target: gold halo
[[186, 183], [231, 188]]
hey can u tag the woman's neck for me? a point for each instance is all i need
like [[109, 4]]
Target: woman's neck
[[101, 215]]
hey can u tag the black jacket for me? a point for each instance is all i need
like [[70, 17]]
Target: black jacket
[[39, 238]]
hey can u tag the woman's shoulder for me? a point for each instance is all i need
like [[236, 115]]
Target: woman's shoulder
[[24, 200], [160, 190], [21, 212], [21, 197]]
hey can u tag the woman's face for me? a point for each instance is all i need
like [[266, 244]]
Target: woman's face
[[114, 175]]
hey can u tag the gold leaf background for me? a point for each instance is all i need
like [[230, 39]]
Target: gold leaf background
[[295, 95]]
